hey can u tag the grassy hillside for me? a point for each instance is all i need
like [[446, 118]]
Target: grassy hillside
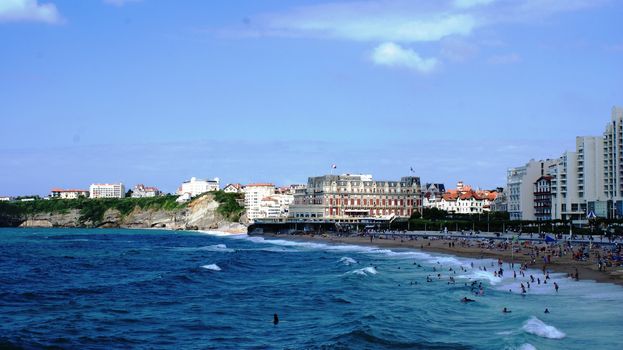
[[92, 210]]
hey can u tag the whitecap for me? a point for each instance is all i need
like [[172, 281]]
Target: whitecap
[[366, 271], [526, 346], [210, 248], [540, 328], [482, 275], [212, 267], [348, 260]]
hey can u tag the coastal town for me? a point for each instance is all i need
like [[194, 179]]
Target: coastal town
[[578, 186], [318, 174]]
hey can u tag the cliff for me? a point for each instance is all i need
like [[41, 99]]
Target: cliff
[[201, 214]]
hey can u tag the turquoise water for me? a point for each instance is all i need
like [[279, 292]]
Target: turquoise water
[[146, 289]]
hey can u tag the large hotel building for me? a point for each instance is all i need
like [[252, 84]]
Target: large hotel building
[[351, 198]]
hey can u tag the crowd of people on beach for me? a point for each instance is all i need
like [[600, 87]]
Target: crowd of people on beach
[[604, 256]]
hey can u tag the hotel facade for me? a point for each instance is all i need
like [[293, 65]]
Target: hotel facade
[[351, 198], [107, 190]]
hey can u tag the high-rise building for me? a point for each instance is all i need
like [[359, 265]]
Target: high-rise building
[[613, 161], [585, 182]]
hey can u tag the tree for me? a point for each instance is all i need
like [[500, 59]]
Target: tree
[[434, 214], [415, 215]]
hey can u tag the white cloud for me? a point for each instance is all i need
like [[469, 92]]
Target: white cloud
[[119, 2], [381, 20], [505, 59], [28, 10], [471, 3], [393, 55]]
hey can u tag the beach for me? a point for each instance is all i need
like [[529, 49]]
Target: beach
[[586, 270]]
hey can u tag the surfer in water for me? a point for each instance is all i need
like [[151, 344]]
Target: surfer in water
[[467, 300], [275, 319], [506, 311]]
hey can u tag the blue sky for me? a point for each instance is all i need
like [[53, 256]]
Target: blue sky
[[155, 92]]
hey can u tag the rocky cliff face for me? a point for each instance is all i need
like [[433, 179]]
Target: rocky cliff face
[[201, 214]]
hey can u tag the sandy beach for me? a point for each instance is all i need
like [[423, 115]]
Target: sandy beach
[[465, 247]]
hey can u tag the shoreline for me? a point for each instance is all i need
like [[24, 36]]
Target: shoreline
[[587, 270]]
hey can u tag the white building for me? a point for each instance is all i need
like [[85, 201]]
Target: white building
[[589, 180], [107, 190], [5, 199], [613, 162], [462, 200], [520, 188], [195, 186], [233, 188], [578, 179], [68, 194], [142, 191], [253, 196]]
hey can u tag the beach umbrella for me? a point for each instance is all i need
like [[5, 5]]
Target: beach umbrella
[[549, 239]]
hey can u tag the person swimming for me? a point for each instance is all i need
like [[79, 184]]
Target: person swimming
[[506, 311], [467, 300], [546, 311]]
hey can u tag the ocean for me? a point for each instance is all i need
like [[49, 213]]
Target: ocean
[[151, 289]]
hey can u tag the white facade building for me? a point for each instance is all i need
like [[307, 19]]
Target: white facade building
[[233, 188], [196, 186], [275, 206], [142, 191], [68, 194], [520, 188], [107, 190], [253, 196]]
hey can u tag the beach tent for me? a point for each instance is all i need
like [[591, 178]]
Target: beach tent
[[549, 239]]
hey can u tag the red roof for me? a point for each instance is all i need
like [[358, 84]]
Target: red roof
[[261, 185], [62, 190]]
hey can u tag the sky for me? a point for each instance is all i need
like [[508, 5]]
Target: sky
[[155, 92]]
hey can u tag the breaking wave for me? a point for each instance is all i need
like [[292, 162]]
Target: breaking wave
[[541, 329], [212, 267]]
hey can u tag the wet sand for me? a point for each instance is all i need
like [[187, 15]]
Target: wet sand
[[587, 270]]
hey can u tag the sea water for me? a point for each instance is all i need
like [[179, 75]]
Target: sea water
[[149, 289]]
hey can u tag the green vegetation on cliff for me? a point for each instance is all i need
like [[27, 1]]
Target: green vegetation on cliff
[[229, 206], [91, 210]]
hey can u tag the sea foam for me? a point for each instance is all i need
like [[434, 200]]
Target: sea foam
[[540, 328], [366, 271], [526, 346], [482, 275], [212, 267], [210, 248], [348, 260]]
